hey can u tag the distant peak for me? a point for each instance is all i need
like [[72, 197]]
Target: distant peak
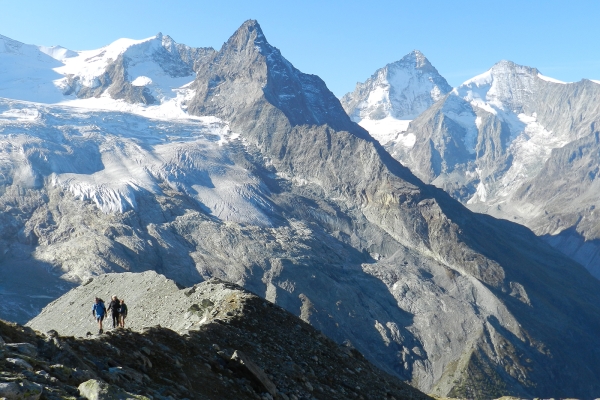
[[510, 65], [416, 54], [505, 63], [159, 35], [415, 59], [504, 66]]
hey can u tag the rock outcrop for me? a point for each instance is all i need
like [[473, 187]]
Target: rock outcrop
[[227, 343]]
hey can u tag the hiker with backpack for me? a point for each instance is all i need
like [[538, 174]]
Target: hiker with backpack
[[123, 313], [115, 306], [98, 312]]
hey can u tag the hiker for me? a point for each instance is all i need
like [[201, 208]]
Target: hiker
[[114, 306], [98, 312], [123, 313]]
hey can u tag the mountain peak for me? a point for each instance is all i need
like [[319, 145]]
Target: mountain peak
[[503, 71], [416, 59], [249, 33], [401, 90], [507, 65]]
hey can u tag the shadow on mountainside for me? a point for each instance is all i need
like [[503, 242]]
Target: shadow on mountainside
[[574, 245], [26, 286]]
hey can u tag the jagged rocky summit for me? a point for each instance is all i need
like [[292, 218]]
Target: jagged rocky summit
[[394, 95], [210, 341], [517, 145], [254, 173]]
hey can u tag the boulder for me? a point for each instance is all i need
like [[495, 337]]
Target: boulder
[[10, 390], [25, 390], [98, 390], [27, 349], [18, 362], [240, 360]]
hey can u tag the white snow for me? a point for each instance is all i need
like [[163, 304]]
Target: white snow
[[387, 130], [57, 52], [595, 81], [481, 193], [141, 81], [90, 64], [479, 80], [111, 158], [548, 79], [41, 74], [26, 73], [530, 151]]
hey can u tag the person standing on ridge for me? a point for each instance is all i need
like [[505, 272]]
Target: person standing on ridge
[[98, 312], [123, 313], [114, 306]]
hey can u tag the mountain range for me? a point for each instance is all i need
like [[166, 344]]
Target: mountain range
[[198, 163], [512, 143]]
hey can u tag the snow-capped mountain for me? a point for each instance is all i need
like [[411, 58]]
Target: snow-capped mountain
[[252, 172], [394, 95], [517, 144], [153, 71]]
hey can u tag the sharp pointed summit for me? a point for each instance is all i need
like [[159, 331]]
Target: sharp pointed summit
[[249, 33], [248, 75], [394, 95]]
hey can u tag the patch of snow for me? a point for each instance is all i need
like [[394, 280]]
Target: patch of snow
[[58, 52], [386, 130], [530, 151], [481, 192], [407, 139], [169, 108], [484, 79], [548, 79], [26, 73], [90, 64], [595, 81], [141, 81]]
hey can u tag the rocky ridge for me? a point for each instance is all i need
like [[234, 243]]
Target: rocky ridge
[[211, 341], [288, 197]]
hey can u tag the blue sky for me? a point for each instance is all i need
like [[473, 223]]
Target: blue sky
[[341, 41]]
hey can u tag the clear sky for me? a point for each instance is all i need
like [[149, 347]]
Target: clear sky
[[342, 41]]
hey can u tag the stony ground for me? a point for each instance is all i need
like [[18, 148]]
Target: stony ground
[[245, 347]]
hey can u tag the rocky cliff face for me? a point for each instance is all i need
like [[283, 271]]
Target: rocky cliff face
[[270, 185], [211, 341]]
